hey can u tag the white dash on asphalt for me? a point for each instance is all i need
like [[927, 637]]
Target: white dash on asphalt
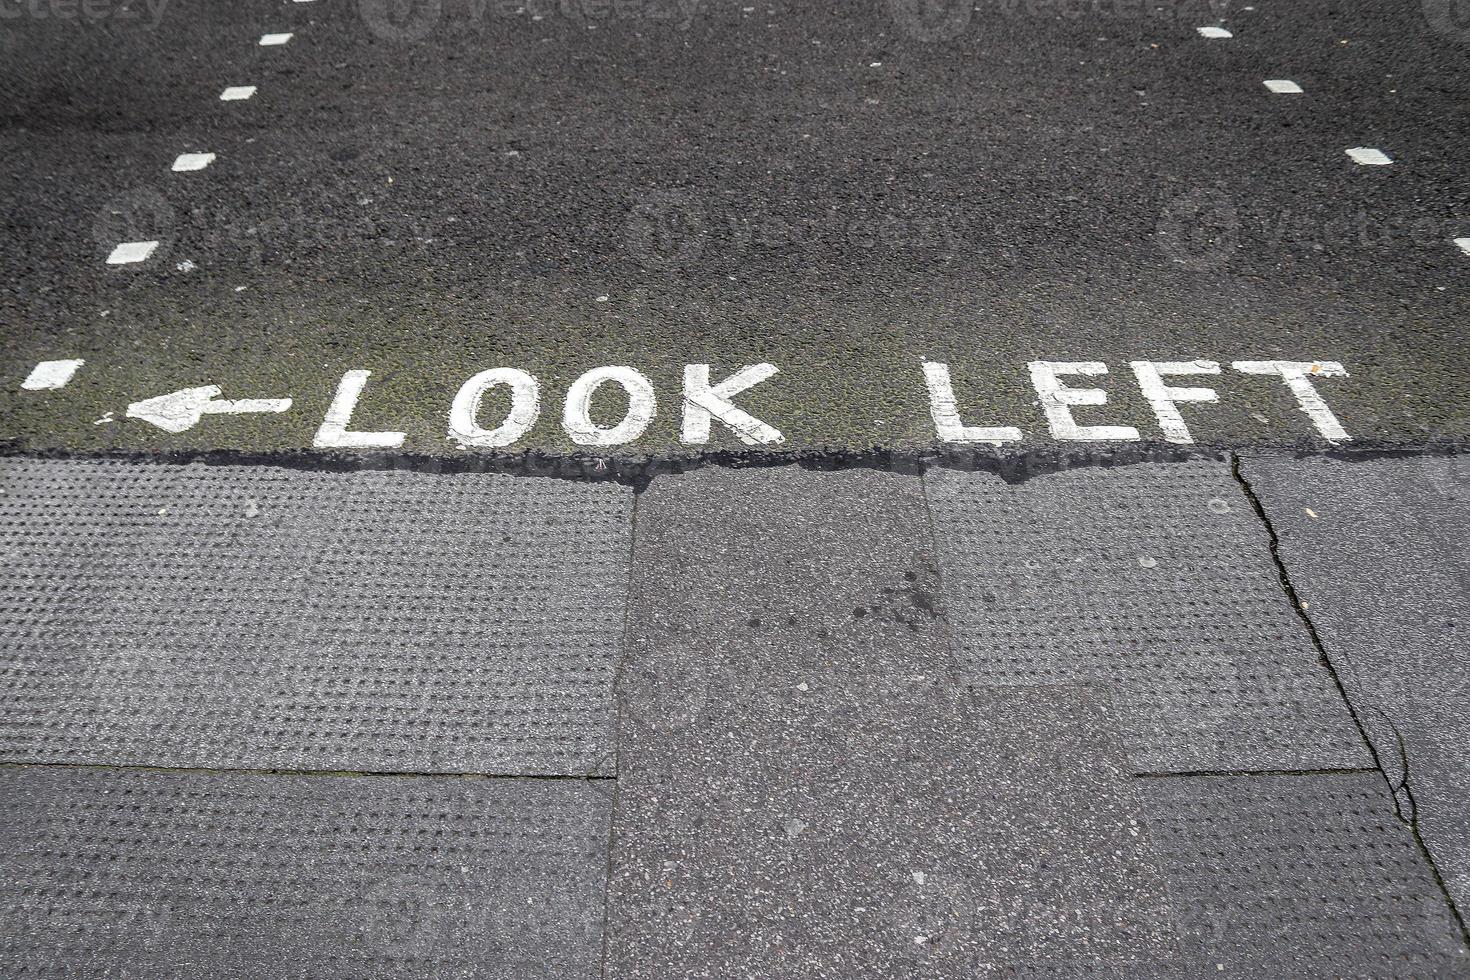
[[50, 375], [237, 93], [185, 162], [1213, 32], [1368, 156], [272, 40], [1464, 245], [129, 252], [1283, 86]]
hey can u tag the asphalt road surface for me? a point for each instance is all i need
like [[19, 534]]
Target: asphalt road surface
[[665, 488]]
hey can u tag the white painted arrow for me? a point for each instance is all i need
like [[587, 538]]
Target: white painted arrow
[[182, 410]]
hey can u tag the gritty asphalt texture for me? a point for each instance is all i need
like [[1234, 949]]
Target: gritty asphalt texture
[[561, 186]]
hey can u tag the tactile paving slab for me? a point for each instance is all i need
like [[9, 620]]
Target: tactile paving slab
[[1155, 581], [127, 874], [1380, 552], [824, 826], [258, 617], [1299, 876]]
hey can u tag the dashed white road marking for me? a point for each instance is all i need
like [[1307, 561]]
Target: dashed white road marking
[[1368, 156], [1298, 375], [1464, 244], [129, 252], [50, 375], [237, 93], [185, 162], [273, 40], [333, 432], [1283, 86], [946, 413], [1213, 32], [1057, 401]]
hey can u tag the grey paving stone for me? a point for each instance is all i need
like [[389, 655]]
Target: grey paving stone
[[257, 617], [1383, 562], [740, 571], [806, 790], [127, 874], [1156, 582], [1299, 876], [876, 828]]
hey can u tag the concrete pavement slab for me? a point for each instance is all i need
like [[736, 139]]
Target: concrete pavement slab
[[1156, 582], [836, 827], [259, 617], [214, 875], [1376, 551]]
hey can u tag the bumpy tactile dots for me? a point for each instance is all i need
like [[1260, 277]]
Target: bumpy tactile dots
[[122, 874], [257, 617], [1154, 581], [1380, 552], [1299, 876]]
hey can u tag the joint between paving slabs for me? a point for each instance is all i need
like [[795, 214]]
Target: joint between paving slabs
[[309, 773], [1408, 815]]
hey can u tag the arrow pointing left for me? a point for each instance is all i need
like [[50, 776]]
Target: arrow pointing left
[[182, 410]]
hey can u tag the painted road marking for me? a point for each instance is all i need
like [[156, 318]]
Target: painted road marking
[[333, 432], [129, 252], [1283, 86], [50, 375], [273, 40], [237, 93], [1213, 32], [1298, 375], [946, 413], [180, 411], [185, 162], [1164, 399], [576, 416], [1368, 156], [525, 409], [704, 402], [1464, 244], [1057, 401]]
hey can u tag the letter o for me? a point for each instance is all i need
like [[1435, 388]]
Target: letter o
[[464, 414], [577, 414]]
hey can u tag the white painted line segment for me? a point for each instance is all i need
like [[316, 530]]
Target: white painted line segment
[[1368, 156], [1283, 86], [186, 162], [333, 432], [946, 413], [180, 411], [1213, 32], [273, 40], [237, 93], [1464, 244], [50, 375], [129, 252]]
